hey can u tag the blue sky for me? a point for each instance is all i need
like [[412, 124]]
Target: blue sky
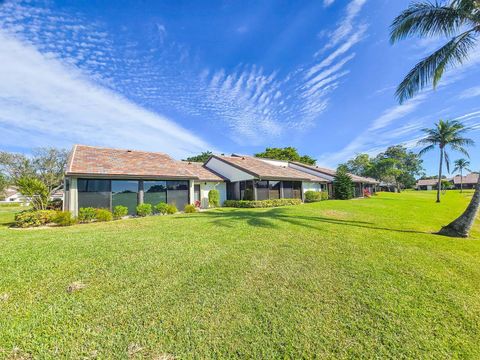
[[227, 76]]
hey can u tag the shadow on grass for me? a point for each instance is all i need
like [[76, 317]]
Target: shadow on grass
[[264, 219]]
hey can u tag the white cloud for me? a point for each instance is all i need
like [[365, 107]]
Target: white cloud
[[327, 3], [346, 25], [60, 106], [470, 93]]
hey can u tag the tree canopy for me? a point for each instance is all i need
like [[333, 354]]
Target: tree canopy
[[203, 157], [287, 153]]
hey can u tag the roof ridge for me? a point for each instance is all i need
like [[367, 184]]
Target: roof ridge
[[123, 149]]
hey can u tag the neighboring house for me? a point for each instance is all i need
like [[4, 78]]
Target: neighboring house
[[469, 181], [11, 195], [251, 178], [427, 184]]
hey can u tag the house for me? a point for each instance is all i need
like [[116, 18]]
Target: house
[[426, 184], [251, 178], [469, 181], [104, 178], [11, 195]]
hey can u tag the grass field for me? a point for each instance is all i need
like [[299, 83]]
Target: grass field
[[336, 279]]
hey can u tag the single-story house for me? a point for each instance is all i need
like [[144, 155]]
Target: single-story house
[[251, 178], [426, 184], [12, 195], [104, 178], [207, 180], [468, 181]]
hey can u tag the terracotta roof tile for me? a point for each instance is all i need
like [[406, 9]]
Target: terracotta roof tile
[[91, 160], [471, 178], [427, 182], [202, 172], [331, 172]]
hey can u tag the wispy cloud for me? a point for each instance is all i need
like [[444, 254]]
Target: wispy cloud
[[470, 93], [43, 100], [327, 3]]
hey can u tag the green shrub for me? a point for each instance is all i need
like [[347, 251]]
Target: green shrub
[[64, 218], [324, 195], [86, 214], [32, 218], [189, 208], [103, 215], [119, 212], [144, 209], [312, 196], [26, 218], [261, 203], [214, 198], [161, 208], [171, 209]]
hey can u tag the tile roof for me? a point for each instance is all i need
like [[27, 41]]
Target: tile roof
[[471, 178], [425, 182], [264, 170], [92, 160], [331, 172], [202, 172]]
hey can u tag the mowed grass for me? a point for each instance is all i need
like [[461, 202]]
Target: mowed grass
[[336, 279]]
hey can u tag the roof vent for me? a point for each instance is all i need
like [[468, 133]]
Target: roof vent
[[129, 150]]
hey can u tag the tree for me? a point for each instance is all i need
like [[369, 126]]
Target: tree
[[35, 190], [287, 154], [3, 184], [445, 133], [203, 157], [460, 165], [46, 165], [461, 19], [343, 184], [360, 165]]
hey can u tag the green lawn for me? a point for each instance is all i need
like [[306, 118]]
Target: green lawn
[[336, 279]]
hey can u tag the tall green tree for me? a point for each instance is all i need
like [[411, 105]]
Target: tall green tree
[[287, 154], [458, 21], [203, 157], [445, 134], [460, 165], [342, 184], [360, 165]]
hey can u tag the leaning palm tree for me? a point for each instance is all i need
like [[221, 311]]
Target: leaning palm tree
[[460, 165], [458, 20], [445, 134]]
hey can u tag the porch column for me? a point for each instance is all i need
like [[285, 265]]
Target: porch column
[[191, 192], [73, 197], [281, 190], [141, 192], [254, 190]]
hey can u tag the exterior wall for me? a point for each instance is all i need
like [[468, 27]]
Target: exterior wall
[[205, 187], [228, 171], [310, 186], [310, 171]]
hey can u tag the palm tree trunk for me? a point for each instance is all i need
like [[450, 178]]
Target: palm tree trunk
[[461, 226], [461, 181], [440, 175]]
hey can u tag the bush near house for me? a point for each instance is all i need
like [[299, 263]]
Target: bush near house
[[161, 208], [119, 212], [144, 209], [190, 209], [64, 218], [87, 214], [214, 198], [32, 218], [261, 203], [103, 215], [312, 196], [171, 209], [343, 185]]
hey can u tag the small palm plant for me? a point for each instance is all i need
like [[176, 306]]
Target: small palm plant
[[460, 165], [445, 133]]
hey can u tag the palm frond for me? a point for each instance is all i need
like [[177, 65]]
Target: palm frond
[[447, 161], [460, 149], [452, 53], [426, 149], [427, 19]]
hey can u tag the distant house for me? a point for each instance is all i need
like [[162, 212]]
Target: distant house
[[426, 184], [11, 195], [469, 181]]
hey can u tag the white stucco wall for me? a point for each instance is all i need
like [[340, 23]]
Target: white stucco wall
[[306, 186], [228, 171], [205, 187]]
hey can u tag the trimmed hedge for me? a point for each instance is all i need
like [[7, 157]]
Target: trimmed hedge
[[31, 218], [64, 218], [144, 209], [214, 198], [161, 208], [87, 214], [312, 196], [190, 209], [103, 215], [261, 203], [120, 211]]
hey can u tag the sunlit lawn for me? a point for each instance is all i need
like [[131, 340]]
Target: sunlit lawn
[[338, 279]]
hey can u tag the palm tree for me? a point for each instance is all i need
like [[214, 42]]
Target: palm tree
[[458, 20], [445, 133], [460, 165]]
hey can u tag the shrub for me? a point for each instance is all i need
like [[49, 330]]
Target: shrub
[[26, 218], [261, 203], [86, 214], [312, 196], [214, 198], [248, 194], [32, 218], [324, 195], [144, 209], [343, 185], [64, 218], [161, 208], [171, 209], [104, 215], [120, 211], [190, 208]]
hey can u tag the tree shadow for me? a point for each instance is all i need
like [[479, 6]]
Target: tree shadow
[[270, 219]]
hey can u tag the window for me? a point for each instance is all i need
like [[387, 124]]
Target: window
[[154, 192], [246, 190], [262, 190], [93, 193], [274, 189], [292, 189], [124, 192], [178, 193]]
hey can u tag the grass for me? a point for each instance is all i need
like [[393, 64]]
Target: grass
[[336, 279]]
